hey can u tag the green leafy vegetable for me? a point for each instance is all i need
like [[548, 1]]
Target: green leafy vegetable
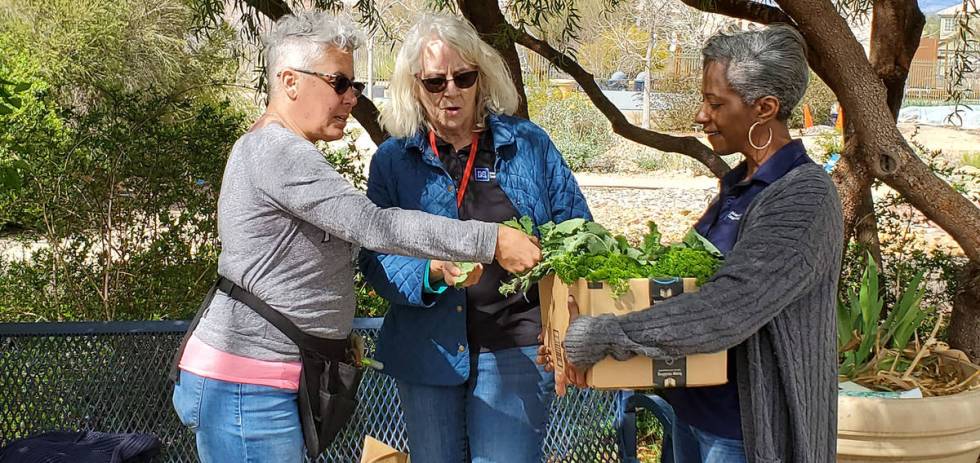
[[578, 248], [685, 262], [651, 241], [694, 240], [524, 224], [464, 271]]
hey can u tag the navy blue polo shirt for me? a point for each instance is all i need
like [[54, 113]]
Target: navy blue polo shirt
[[493, 321], [715, 408]]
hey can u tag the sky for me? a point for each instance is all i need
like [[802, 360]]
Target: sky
[[932, 6]]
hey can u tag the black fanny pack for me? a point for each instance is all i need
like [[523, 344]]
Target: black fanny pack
[[329, 378]]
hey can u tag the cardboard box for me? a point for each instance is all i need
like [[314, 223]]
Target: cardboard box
[[376, 451], [595, 298]]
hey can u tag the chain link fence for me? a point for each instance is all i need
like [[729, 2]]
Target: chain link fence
[[113, 377]]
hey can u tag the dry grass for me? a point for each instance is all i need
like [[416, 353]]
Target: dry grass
[[935, 369]]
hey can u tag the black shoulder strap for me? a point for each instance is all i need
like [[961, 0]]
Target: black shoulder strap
[[174, 369], [334, 348]]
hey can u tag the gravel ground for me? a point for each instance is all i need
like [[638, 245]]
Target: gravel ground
[[626, 210]]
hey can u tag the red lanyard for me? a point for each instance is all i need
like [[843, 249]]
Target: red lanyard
[[469, 164]]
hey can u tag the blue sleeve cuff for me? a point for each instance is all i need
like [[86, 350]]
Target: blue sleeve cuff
[[440, 287]]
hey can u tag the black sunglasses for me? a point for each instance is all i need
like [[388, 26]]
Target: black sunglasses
[[339, 82], [437, 84]]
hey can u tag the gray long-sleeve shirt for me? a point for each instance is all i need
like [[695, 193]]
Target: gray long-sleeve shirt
[[287, 221], [774, 301]]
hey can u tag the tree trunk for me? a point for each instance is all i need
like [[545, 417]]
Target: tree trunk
[[852, 179], [864, 96], [866, 229], [891, 56], [964, 325], [366, 114], [891, 60], [493, 26]]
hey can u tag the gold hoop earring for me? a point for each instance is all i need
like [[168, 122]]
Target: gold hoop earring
[[753, 143]]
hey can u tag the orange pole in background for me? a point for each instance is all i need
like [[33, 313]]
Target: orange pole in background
[[840, 119], [807, 117]]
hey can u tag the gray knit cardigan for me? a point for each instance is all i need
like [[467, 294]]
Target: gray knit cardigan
[[773, 300]]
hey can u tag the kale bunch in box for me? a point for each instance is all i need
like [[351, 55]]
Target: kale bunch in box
[[579, 248]]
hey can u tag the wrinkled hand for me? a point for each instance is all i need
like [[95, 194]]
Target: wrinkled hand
[[516, 252], [449, 272], [570, 374]]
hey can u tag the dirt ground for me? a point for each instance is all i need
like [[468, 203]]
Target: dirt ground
[[953, 142]]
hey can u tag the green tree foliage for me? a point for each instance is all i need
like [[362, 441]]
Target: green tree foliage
[[115, 148], [115, 124], [84, 48], [28, 123], [127, 223]]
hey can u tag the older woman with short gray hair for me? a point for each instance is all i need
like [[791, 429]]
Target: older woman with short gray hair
[[289, 224], [777, 220]]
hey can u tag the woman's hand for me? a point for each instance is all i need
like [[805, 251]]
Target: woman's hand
[[450, 273], [516, 252], [570, 374]]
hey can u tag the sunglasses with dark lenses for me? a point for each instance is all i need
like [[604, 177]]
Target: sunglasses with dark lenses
[[339, 82], [437, 84]]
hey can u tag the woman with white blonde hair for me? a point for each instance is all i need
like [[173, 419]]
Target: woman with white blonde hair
[[463, 354]]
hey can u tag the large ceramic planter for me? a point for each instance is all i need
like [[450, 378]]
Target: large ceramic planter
[[932, 429]]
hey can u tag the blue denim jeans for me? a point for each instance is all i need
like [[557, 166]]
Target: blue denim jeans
[[500, 414], [693, 445], [239, 422]]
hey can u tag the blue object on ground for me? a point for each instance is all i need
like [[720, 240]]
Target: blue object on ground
[[831, 162]]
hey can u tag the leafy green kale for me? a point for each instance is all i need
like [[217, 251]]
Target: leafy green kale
[[685, 262], [651, 242], [578, 248], [613, 269], [694, 240], [524, 224], [464, 271]]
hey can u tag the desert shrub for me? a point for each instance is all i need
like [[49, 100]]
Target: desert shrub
[[128, 212], [972, 159], [674, 104], [577, 128]]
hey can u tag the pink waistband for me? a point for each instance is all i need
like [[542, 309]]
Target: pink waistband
[[204, 360]]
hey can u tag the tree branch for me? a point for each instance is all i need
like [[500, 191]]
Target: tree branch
[[689, 146], [367, 114], [759, 13], [491, 24], [852, 179], [742, 9], [272, 9], [896, 28]]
